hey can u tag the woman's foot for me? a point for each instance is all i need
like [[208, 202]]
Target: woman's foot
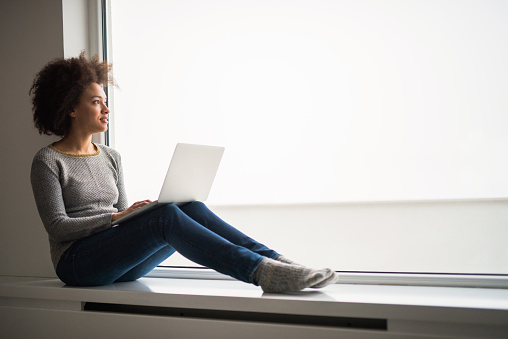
[[331, 280], [275, 276], [286, 260]]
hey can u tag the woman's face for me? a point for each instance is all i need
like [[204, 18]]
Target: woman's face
[[91, 114]]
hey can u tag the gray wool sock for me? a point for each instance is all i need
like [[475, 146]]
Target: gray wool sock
[[331, 280], [286, 260], [274, 276]]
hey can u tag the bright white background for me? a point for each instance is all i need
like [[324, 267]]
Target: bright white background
[[324, 102], [316, 101]]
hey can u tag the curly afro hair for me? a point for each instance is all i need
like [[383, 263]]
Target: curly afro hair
[[57, 88]]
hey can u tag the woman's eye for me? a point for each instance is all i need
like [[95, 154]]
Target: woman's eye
[[96, 102]]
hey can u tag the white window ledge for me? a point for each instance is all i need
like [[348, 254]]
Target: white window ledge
[[358, 310], [362, 278]]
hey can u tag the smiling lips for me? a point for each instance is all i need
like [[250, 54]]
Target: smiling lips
[[105, 120]]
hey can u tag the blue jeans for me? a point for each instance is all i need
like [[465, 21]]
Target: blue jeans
[[133, 249]]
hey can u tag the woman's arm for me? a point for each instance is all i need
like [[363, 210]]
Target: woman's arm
[[50, 204], [122, 203]]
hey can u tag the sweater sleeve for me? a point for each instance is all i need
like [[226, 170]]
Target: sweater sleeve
[[122, 203], [50, 204]]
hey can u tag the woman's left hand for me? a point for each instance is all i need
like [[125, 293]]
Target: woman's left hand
[[135, 206]]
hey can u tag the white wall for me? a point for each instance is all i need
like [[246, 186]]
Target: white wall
[[31, 34]]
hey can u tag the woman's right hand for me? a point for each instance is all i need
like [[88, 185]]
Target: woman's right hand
[[135, 206]]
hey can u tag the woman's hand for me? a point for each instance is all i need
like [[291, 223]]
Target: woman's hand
[[135, 206]]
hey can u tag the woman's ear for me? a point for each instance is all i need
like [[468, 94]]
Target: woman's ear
[[72, 114]]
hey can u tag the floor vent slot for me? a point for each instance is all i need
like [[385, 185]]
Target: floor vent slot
[[291, 319]]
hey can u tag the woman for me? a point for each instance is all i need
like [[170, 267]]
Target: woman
[[79, 191]]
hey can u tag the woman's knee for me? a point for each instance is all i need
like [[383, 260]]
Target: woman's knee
[[170, 215], [170, 208], [194, 206]]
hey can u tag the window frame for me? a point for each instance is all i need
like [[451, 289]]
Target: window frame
[[99, 36], [346, 277]]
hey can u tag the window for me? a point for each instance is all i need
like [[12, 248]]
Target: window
[[370, 133]]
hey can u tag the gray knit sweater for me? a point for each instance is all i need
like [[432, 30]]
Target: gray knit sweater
[[76, 195]]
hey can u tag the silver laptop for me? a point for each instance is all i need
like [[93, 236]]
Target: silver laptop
[[189, 178]]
